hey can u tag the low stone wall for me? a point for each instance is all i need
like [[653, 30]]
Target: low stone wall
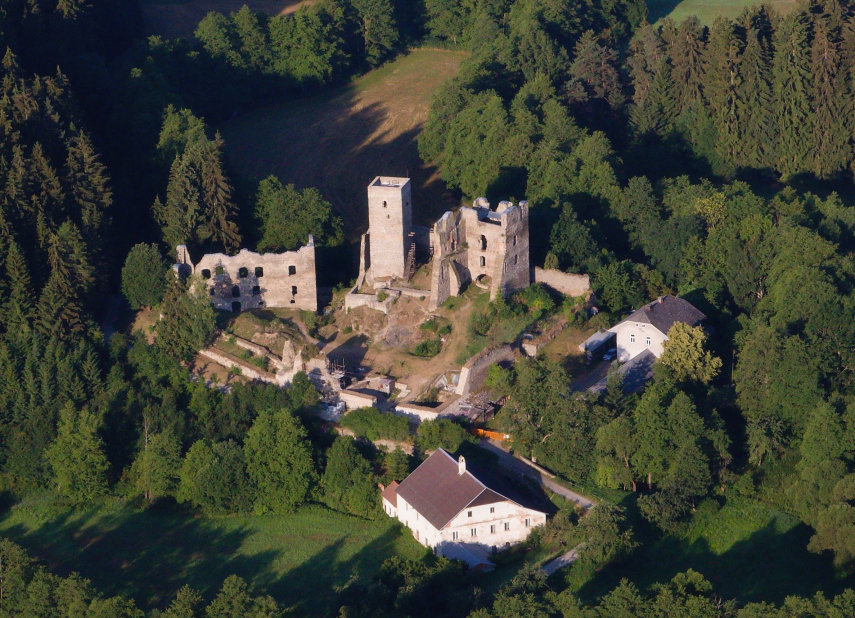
[[474, 372], [416, 412], [354, 300], [248, 371], [355, 400], [566, 283], [533, 347]]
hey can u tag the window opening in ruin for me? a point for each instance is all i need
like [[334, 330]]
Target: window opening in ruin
[[243, 272], [259, 271], [206, 274], [219, 270], [235, 307], [483, 261], [292, 301], [292, 270], [256, 290], [293, 290], [515, 240], [483, 243], [516, 259], [235, 292], [212, 291], [384, 203]]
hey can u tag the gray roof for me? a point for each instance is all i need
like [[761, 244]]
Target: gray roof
[[664, 312], [635, 373], [596, 340], [438, 492]]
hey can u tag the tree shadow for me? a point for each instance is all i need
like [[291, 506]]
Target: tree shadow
[[768, 566]]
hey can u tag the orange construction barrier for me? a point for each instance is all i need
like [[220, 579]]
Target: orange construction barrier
[[492, 435]]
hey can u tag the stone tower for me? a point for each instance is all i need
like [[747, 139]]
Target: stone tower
[[390, 219]]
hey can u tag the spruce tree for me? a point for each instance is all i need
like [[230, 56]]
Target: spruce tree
[[754, 97], [686, 55], [830, 141], [646, 53], [89, 189], [77, 456], [594, 68], [18, 309], [722, 80], [791, 88]]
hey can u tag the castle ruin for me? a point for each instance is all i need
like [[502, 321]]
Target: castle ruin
[[479, 244], [251, 280]]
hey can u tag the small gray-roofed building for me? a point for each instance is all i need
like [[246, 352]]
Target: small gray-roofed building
[[596, 345], [635, 374], [444, 503]]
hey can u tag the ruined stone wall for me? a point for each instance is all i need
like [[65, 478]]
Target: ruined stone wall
[[566, 283], [390, 221], [516, 273], [474, 372], [250, 280], [445, 239]]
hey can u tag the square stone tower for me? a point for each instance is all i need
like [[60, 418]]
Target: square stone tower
[[390, 219]]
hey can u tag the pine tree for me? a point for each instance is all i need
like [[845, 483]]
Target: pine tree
[[754, 97], [646, 53], [791, 95], [18, 309], [831, 132], [594, 68], [721, 87]]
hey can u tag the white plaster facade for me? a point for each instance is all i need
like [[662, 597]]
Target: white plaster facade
[[633, 338]]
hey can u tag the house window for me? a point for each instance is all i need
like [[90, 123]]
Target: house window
[[507, 526], [259, 272], [473, 532], [482, 261], [469, 514], [632, 338], [243, 272], [492, 529], [453, 536], [527, 522], [206, 274], [235, 292], [292, 270], [648, 342], [492, 509]]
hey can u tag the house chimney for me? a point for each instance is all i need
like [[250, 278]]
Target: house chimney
[[660, 300], [461, 466]]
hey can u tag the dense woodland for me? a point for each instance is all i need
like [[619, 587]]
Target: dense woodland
[[668, 159]]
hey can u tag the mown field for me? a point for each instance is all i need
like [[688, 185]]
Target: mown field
[[339, 141], [708, 10], [150, 554], [748, 551], [179, 18]]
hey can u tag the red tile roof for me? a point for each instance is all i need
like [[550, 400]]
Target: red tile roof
[[390, 495]]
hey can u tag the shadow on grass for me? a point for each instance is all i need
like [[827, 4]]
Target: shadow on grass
[[767, 566], [148, 555]]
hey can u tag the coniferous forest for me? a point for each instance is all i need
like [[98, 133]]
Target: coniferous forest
[[714, 162]]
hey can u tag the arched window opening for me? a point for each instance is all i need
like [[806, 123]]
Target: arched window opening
[[483, 243], [235, 292]]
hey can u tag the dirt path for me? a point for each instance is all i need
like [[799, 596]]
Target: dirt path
[[562, 561]]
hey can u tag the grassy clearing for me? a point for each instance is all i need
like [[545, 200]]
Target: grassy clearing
[[339, 141], [150, 554], [708, 10], [178, 18], [748, 551]]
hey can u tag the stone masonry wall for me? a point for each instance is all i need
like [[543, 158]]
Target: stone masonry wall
[[566, 283], [390, 221], [474, 372], [250, 280]]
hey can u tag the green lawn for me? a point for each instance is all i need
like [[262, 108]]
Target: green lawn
[[149, 554], [748, 551], [708, 10]]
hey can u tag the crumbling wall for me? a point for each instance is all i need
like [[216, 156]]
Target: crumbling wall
[[446, 279], [474, 372], [250, 280], [566, 283], [516, 273]]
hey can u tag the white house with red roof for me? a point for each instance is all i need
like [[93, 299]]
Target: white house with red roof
[[457, 512]]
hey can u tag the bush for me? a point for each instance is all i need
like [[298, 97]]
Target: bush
[[430, 325], [441, 433], [373, 424], [536, 298], [429, 348]]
